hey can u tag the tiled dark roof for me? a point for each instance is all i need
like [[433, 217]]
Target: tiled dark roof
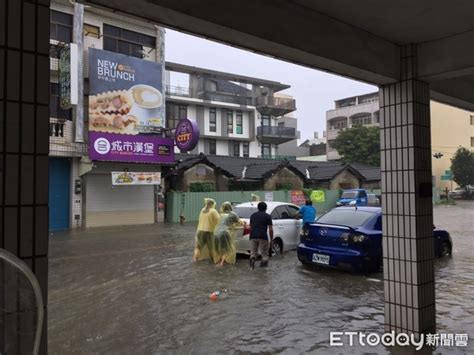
[[369, 173], [257, 168], [318, 170]]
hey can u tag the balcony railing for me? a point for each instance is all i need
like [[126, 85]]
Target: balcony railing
[[177, 91], [56, 128], [275, 106], [226, 97], [61, 139], [275, 134]]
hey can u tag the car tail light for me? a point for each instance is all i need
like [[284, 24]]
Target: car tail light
[[358, 238], [247, 229], [346, 237], [352, 238], [304, 234]]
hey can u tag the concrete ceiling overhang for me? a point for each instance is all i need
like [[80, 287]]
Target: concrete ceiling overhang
[[356, 39]]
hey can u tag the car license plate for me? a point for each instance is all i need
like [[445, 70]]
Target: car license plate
[[321, 259]]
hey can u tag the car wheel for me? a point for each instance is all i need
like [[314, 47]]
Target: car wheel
[[277, 247], [445, 249]]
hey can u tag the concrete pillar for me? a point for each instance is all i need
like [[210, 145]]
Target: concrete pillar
[[408, 251], [24, 148]]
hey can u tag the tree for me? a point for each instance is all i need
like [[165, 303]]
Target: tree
[[462, 166], [359, 144]]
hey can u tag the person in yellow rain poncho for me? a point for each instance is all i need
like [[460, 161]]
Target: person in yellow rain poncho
[[204, 240], [224, 235]]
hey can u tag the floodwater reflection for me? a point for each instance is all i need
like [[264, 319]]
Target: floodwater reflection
[[134, 289]]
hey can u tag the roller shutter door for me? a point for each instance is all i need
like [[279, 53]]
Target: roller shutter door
[[108, 205]]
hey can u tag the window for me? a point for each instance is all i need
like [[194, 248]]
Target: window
[[266, 150], [362, 119], [293, 211], [212, 120], [338, 123], [174, 113], [239, 123], [265, 120], [236, 149], [55, 109], [60, 28], [211, 85], [281, 124], [230, 121], [183, 111], [91, 31], [245, 148], [212, 147], [348, 217], [377, 116], [280, 212], [245, 212], [367, 100], [472, 141], [472, 120], [127, 42]]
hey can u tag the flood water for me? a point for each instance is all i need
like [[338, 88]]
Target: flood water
[[135, 290]]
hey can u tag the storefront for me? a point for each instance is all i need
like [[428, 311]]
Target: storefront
[[127, 145], [112, 201], [59, 193]]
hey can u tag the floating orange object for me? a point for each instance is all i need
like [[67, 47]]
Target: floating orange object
[[213, 296]]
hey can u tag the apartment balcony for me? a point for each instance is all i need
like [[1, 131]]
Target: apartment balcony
[[275, 106], [275, 134], [61, 139], [177, 91], [226, 97]]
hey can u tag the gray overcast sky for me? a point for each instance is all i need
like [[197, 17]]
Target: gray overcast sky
[[314, 91]]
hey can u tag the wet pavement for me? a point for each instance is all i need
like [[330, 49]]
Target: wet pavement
[[135, 290]]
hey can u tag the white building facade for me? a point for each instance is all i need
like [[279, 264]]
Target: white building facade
[[348, 112], [237, 115]]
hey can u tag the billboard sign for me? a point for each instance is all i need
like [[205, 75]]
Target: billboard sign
[[126, 106], [318, 196], [297, 197], [130, 148], [68, 76], [136, 178]]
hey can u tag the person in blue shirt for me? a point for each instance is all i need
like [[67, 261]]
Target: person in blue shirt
[[307, 213]]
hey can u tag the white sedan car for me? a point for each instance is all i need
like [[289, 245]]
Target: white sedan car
[[286, 228]]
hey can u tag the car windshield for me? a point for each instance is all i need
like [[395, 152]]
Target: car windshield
[[245, 212], [349, 194], [347, 217]]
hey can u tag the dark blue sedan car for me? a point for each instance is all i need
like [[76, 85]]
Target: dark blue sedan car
[[351, 238]]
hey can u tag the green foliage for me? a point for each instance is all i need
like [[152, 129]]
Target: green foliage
[[284, 186], [201, 187], [359, 144], [462, 166]]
